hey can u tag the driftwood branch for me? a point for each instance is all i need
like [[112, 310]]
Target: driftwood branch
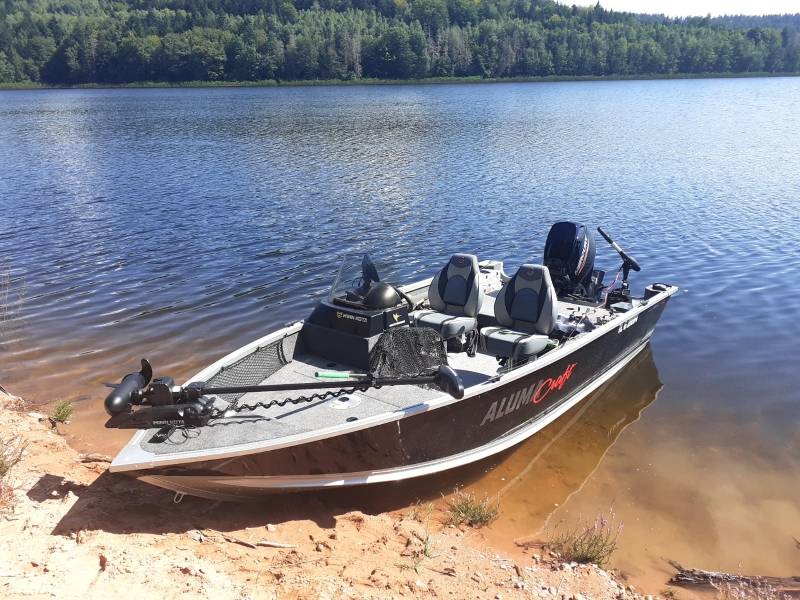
[[449, 571], [228, 538], [699, 577], [528, 542], [234, 540], [270, 544], [94, 458]]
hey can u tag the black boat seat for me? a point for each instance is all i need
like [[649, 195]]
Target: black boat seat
[[455, 297], [526, 308]]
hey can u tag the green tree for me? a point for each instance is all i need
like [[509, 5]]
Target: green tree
[[432, 14], [390, 56], [7, 71]]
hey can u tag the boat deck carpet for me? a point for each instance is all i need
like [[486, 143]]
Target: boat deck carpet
[[280, 421]]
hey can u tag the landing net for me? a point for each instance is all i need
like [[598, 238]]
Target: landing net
[[407, 352]]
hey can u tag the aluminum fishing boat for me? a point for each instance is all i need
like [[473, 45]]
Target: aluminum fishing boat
[[386, 382]]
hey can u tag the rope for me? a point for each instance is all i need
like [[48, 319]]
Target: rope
[[613, 285], [237, 408]]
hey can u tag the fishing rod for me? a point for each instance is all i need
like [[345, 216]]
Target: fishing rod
[[164, 403]]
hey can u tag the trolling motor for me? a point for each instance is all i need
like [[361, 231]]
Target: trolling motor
[[163, 404], [628, 263]]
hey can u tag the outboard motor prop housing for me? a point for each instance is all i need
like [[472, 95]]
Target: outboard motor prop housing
[[569, 256]]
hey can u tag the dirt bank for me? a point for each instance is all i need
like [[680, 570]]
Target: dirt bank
[[76, 531]]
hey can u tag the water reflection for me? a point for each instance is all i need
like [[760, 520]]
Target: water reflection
[[531, 479], [546, 470]]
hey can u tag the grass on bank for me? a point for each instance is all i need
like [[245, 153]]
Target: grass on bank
[[11, 452], [593, 542], [420, 513], [61, 412], [369, 81], [464, 508], [420, 546], [10, 455]]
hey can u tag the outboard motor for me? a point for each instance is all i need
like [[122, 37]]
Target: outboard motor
[[569, 256]]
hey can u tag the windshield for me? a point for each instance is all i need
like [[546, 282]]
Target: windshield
[[357, 274]]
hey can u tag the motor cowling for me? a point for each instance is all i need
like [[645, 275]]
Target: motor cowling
[[569, 256]]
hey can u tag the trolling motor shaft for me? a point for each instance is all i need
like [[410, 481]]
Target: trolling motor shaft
[[164, 403]]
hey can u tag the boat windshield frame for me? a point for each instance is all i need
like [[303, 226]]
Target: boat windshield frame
[[357, 272]]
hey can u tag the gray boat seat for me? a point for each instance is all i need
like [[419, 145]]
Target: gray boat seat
[[455, 297], [448, 326], [526, 308]]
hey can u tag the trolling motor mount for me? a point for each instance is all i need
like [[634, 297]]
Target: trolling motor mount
[[191, 414], [160, 391]]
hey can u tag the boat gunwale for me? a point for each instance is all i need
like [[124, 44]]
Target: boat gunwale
[[133, 457]]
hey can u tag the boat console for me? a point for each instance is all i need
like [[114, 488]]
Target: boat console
[[345, 326]]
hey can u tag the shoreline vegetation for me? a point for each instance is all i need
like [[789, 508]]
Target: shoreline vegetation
[[229, 42], [273, 83]]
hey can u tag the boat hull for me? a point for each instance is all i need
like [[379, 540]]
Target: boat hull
[[427, 442]]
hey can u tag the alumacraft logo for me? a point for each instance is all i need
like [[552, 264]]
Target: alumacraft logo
[[535, 394]]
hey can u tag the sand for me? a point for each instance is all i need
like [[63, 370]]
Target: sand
[[73, 530]]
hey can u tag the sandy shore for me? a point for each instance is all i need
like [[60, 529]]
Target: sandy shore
[[77, 531]]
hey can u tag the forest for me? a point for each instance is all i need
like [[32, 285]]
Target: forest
[[69, 42]]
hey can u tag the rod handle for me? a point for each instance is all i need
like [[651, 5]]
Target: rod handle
[[337, 375]]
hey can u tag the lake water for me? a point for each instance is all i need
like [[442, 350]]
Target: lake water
[[180, 224]]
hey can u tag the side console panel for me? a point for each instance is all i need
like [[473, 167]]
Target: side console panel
[[346, 335]]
